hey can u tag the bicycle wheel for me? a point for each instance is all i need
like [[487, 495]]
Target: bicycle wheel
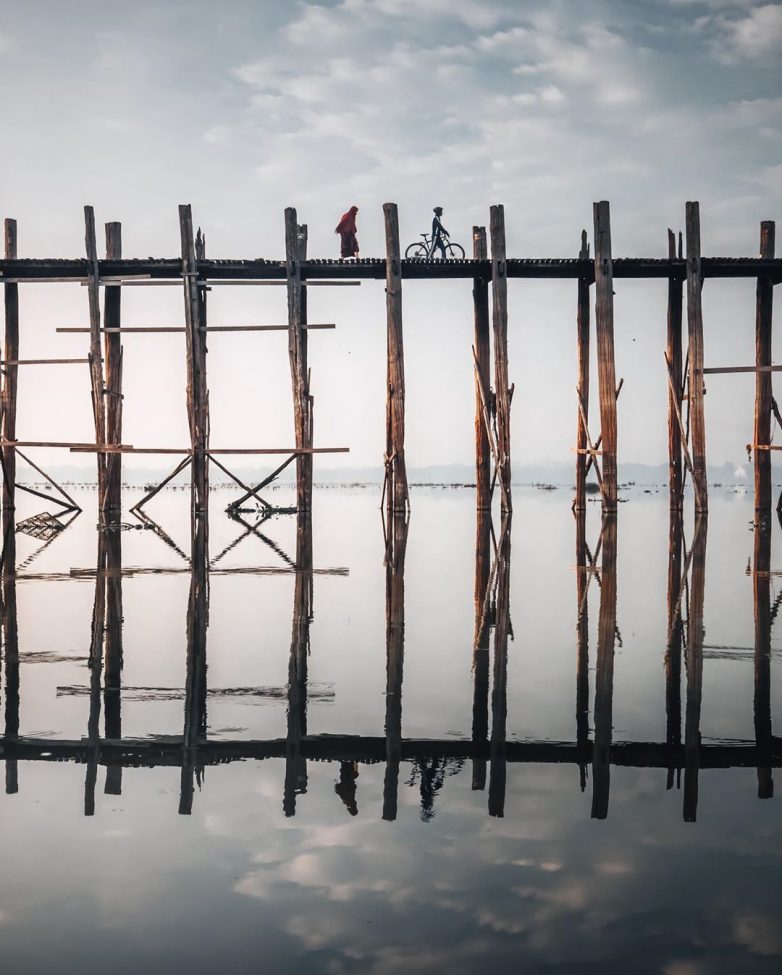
[[455, 251], [416, 250]]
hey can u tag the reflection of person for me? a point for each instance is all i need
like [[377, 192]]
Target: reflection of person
[[346, 787], [346, 228], [438, 232]]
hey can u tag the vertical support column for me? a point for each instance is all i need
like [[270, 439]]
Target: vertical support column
[[95, 355], [480, 300], [499, 694], [306, 461], [195, 718], [10, 659], [480, 655], [606, 372], [112, 672], [673, 648], [297, 355], [582, 646], [674, 354], [582, 342], [503, 393], [95, 663], [113, 354], [197, 393], [396, 547], [396, 490], [11, 346], [695, 331], [763, 393], [761, 590], [692, 719], [604, 672]]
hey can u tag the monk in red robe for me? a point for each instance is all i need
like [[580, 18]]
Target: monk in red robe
[[346, 228]]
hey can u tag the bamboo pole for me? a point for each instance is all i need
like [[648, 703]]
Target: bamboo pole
[[695, 357], [673, 649], [95, 356], [763, 393], [482, 332], [761, 591], [674, 350], [499, 694], [113, 354], [396, 546], [480, 656], [297, 354], [499, 291], [582, 341], [11, 347], [396, 490], [604, 329]]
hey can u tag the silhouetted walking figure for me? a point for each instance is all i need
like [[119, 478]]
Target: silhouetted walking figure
[[346, 787], [438, 232], [346, 228]]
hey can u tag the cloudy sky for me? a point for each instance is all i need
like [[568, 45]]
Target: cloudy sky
[[245, 107]]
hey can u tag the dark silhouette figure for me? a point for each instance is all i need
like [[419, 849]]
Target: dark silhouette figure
[[346, 787], [438, 233], [346, 228]]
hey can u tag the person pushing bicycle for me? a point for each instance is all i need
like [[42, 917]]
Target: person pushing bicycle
[[438, 232]]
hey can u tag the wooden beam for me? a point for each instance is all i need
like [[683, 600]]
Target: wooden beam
[[499, 291], [396, 489], [606, 371], [95, 358], [764, 303], [721, 370], [482, 333], [674, 350], [44, 362], [11, 346], [582, 385], [695, 358], [168, 329]]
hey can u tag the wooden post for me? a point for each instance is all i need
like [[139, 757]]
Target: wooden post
[[499, 694], [763, 392], [582, 644], [306, 461], [673, 648], [397, 496], [11, 347], [95, 664], [297, 355], [10, 660], [396, 546], [197, 393], [606, 371], [499, 292], [195, 718], [695, 331], [674, 350], [604, 671], [482, 331], [112, 673], [761, 589], [582, 342], [95, 356], [692, 719], [480, 657], [113, 354]]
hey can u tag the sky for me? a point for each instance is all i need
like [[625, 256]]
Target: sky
[[249, 106]]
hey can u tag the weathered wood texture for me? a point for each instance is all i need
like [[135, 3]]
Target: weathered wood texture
[[396, 489], [502, 391], [396, 547], [482, 339], [96, 353], [295, 248], [582, 385], [674, 350], [604, 671], [499, 693], [763, 393], [11, 350], [113, 355], [695, 333], [692, 719], [606, 370], [761, 590]]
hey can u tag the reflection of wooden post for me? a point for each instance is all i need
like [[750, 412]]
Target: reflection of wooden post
[[10, 654], [604, 673], [113, 353], [396, 545], [692, 720], [761, 589], [95, 664], [112, 675], [295, 765], [195, 673], [397, 497], [582, 344], [604, 330], [582, 645], [499, 694], [674, 350], [763, 314], [673, 649], [11, 349], [695, 332], [480, 657], [499, 294], [480, 300], [295, 252]]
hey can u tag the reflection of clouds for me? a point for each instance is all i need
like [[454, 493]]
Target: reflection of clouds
[[760, 933]]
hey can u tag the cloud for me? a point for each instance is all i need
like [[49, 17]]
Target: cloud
[[758, 35]]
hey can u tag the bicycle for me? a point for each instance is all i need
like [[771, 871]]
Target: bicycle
[[420, 249]]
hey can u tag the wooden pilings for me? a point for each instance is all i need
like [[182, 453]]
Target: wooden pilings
[[96, 352], [761, 591], [675, 387], [480, 653], [695, 375], [692, 718], [582, 385], [112, 502], [195, 718], [503, 393], [604, 671], [9, 652], [295, 252], [763, 393], [499, 692], [604, 330], [396, 547], [11, 350], [583, 570], [674, 642], [396, 490], [482, 347]]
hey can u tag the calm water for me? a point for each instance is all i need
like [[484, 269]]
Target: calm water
[[484, 833]]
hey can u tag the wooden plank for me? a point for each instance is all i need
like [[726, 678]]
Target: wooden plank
[[695, 356], [674, 350], [166, 329], [582, 385], [482, 346], [717, 370], [44, 362], [9, 389], [764, 304], [499, 291], [396, 488], [96, 360], [604, 329]]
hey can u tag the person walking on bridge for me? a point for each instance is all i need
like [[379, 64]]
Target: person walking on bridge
[[438, 233], [346, 228]]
